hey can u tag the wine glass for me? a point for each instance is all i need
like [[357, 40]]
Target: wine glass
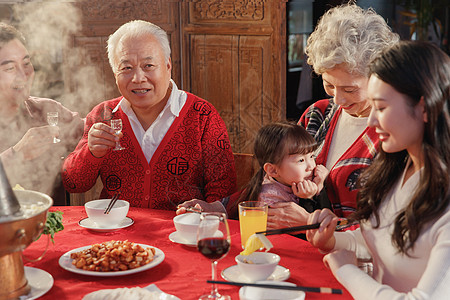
[[213, 241], [52, 120], [116, 124]]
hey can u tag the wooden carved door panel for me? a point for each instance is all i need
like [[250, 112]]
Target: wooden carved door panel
[[229, 72], [234, 57]]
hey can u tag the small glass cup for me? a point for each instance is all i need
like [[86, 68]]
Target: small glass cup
[[116, 124], [252, 218], [52, 120]]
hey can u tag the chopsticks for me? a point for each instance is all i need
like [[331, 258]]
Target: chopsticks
[[194, 209], [298, 228], [111, 203], [323, 290]]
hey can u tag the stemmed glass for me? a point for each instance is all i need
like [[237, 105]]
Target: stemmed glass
[[213, 241], [52, 120], [116, 124]]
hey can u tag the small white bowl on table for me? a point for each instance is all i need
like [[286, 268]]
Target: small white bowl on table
[[187, 226], [95, 210], [258, 265]]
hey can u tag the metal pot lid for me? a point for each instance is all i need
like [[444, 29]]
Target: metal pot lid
[[9, 205]]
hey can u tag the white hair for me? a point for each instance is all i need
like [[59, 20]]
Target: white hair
[[349, 35], [136, 28]]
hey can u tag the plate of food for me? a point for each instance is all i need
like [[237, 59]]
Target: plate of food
[[112, 258]]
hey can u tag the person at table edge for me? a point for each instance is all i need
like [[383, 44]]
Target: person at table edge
[[176, 144], [340, 49], [404, 200], [27, 151]]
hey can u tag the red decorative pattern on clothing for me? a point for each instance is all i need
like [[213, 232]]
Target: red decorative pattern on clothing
[[194, 160], [340, 183]]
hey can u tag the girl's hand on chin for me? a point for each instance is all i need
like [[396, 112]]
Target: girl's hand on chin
[[305, 189]]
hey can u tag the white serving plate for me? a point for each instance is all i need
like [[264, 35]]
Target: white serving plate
[[40, 282], [89, 224], [66, 263]]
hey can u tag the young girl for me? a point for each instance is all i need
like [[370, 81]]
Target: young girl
[[288, 172], [404, 203]]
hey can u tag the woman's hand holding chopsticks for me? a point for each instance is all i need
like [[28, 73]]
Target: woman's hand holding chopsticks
[[343, 223], [323, 238]]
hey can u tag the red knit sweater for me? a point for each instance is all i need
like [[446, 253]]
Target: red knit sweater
[[194, 160], [320, 120]]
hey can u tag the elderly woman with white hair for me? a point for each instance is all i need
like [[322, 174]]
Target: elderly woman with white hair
[[345, 41]]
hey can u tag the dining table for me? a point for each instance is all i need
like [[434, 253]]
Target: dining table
[[183, 272]]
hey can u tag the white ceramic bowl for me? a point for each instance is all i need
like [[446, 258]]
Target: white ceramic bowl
[[256, 293], [258, 265], [187, 225], [95, 210]]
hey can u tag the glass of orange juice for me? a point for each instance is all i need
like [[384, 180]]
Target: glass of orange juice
[[252, 218]]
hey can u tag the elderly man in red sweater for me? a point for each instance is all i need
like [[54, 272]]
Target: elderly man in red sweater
[[175, 146]]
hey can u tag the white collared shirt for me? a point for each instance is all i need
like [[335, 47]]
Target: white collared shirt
[[149, 140]]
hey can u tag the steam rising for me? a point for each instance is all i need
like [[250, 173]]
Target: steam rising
[[49, 28], [62, 72]]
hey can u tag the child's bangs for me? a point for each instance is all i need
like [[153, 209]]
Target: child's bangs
[[300, 142]]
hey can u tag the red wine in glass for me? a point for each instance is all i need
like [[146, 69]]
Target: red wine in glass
[[213, 241], [213, 248]]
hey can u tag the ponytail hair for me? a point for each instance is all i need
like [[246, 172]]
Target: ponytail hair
[[273, 143]]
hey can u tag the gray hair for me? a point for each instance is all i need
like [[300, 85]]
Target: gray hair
[[349, 35], [9, 33], [136, 28]]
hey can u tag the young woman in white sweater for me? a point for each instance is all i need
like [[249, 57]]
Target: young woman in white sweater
[[403, 204]]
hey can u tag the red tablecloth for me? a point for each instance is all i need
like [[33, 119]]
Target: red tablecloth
[[183, 272]]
